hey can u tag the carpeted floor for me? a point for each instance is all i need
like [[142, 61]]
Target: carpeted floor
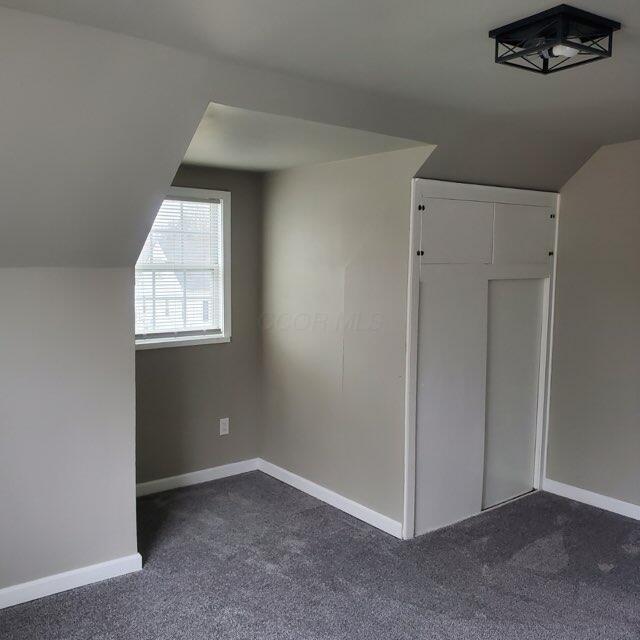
[[249, 557]]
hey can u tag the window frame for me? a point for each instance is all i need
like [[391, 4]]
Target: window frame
[[186, 340]]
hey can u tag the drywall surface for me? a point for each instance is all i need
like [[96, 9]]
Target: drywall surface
[[66, 420], [336, 239], [495, 125], [508, 158], [99, 122], [93, 127], [594, 437], [182, 392], [251, 140]]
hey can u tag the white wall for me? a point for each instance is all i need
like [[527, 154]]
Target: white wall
[[67, 420], [594, 430], [336, 241]]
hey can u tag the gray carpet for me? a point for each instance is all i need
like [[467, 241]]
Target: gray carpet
[[249, 557]]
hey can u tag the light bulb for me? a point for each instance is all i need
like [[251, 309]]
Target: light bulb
[[564, 50]]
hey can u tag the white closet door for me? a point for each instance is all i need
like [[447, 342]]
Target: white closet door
[[450, 395], [513, 361], [484, 267]]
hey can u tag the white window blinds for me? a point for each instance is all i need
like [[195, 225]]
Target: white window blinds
[[179, 274]]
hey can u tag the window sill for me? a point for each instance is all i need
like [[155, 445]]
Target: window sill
[[186, 341]]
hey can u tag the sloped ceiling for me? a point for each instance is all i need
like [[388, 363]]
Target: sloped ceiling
[[92, 127], [435, 52], [94, 123], [432, 51], [234, 138]]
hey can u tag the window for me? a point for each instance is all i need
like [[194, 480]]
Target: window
[[183, 284]]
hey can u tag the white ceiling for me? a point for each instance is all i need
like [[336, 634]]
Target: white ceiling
[[242, 139], [433, 51]]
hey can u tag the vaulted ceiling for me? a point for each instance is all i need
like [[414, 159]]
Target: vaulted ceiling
[[433, 51]]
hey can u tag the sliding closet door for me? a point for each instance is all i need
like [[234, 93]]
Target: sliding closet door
[[450, 394], [513, 366], [485, 262]]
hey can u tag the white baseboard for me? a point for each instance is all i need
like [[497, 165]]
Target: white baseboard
[[336, 500], [49, 585], [196, 477], [594, 499], [19, 593]]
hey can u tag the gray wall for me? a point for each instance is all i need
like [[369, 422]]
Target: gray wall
[[594, 438], [183, 391], [66, 420], [93, 127], [336, 237], [99, 122]]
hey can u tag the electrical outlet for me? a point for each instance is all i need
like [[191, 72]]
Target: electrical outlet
[[224, 426]]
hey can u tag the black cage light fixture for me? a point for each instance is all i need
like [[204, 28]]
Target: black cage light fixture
[[553, 40]]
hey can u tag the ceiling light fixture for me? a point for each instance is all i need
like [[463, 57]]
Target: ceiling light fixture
[[553, 40]]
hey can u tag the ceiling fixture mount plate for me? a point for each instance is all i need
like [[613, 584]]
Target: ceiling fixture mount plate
[[553, 40]]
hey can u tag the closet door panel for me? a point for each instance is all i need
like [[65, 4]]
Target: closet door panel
[[456, 232], [513, 361], [450, 395], [522, 234]]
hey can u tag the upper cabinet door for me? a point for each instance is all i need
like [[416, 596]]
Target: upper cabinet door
[[456, 232], [522, 234]]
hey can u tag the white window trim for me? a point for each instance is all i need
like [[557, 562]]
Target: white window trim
[[205, 338]]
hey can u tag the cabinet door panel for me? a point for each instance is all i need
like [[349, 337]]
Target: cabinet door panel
[[522, 234], [457, 232]]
